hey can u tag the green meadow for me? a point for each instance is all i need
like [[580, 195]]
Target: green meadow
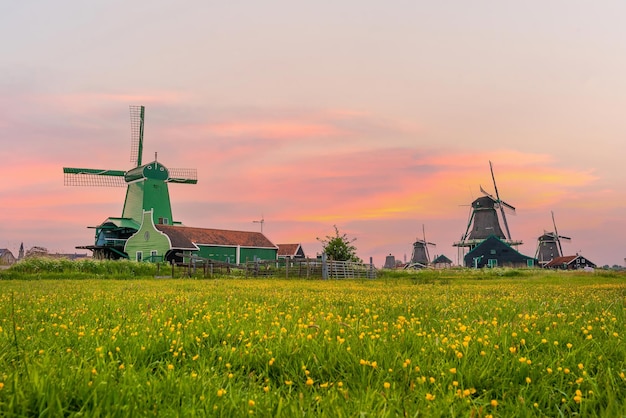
[[462, 343]]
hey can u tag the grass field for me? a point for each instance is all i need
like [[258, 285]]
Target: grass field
[[502, 343]]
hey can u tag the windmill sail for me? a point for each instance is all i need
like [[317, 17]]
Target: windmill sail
[[93, 177], [137, 114]]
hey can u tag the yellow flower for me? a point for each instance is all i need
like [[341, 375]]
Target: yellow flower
[[170, 367], [386, 385], [221, 392], [494, 403], [309, 382], [453, 370], [528, 380], [430, 397], [251, 403]]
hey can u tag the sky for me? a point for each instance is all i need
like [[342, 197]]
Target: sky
[[377, 117]]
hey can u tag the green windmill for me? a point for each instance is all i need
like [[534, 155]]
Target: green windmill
[[146, 190]]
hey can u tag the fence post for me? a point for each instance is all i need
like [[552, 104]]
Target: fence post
[[324, 267], [371, 275], [286, 268]]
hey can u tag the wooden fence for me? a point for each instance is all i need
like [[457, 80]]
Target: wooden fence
[[310, 268], [313, 268]]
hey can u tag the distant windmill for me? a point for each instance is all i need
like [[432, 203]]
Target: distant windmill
[[549, 245], [483, 220], [146, 189], [420, 257]]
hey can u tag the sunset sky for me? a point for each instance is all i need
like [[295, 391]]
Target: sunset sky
[[378, 117]]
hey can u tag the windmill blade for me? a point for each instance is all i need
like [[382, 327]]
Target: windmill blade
[[136, 134], [556, 233], [495, 186], [425, 243], [510, 208], [183, 175], [565, 238], [469, 224], [483, 191], [93, 177]]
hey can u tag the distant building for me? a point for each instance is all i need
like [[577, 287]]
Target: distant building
[[570, 262], [290, 251], [6, 257], [441, 262]]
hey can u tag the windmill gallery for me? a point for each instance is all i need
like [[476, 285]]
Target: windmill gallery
[[147, 231]]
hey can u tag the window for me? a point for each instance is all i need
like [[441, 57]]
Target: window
[[530, 262], [164, 221], [139, 256], [493, 251], [153, 255], [492, 262]]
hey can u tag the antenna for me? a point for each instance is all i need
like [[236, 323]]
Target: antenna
[[262, 221]]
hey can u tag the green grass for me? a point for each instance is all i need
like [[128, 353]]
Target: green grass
[[436, 343]]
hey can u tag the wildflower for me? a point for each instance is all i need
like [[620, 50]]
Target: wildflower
[[386, 385], [251, 403], [430, 397], [309, 382], [221, 392], [453, 370], [1, 385], [170, 367], [528, 380], [288, 382], [194, 358], [494, 403], [271, 361], [581, 366], [266, 389]]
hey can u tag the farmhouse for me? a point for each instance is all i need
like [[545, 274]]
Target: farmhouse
[[570, 262], [176, 242], [290, 251], [494, 252], [441, 262], [6, 257]]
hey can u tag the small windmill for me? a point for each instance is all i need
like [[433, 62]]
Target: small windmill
[[549, 244], [146, 189], [420, 257], [483, 221]]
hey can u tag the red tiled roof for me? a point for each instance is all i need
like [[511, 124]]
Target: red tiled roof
[[287, 249], [559, 261], [222, 237]]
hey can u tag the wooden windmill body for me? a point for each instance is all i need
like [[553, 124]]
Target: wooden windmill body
[[549, 245], [484, 221], [146, 190]]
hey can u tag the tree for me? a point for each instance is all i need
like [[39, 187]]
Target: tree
[[339, 247]]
